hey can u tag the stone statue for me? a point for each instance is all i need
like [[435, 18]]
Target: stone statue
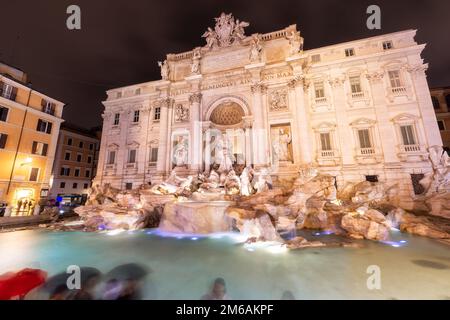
[[180, 152], [164, 69], [226, 31], [255, 48], [232, 183], [439, 180], [195, 67], [239, 32], [223, 154], [285, 140], [246, 186], [211, 38], [295, 42], [262, 181], [181, 113]]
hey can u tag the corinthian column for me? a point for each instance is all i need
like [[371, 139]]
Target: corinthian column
[[296, 91], [163, 133], [196, 132], [260, 145]]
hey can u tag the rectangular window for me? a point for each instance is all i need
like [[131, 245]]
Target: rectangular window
[[325, 141], [39, 148], [349, 52], [62, 185], [75, 185], [387, 45], [69, 141], [111, 157], [87, 173], [76, 172], [3, 113], [67, 156], [364, 138], [394, 78], [44, 126], [355, 83], [408, 135], [86, 185], [48, 107], [136, 116], [315, 58], [157, 115], [319, 89], [34, 173], [153, 154], [65, 171], [119, 95], [79, 157], [372, 178], [3, 138], [8, 91], [116, 119], [128, 186], [89, 159], [441, 125], [137, 91], [81, 145], [132, 156], [91, 146]]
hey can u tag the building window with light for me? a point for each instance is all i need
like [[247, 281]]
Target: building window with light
[[355, 84], [394, 78], [39, 148], [319, 89], [44, 126], [65, 171], [34, 174]]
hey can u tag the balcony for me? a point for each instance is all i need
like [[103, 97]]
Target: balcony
[[412, 152], [321, 100], [328, 157], [368, 156], [398, 91], [357, 95], [130, 165]]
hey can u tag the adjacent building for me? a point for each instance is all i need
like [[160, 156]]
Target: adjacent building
[[75, 164], [359, 110], [441, 104], [29, 127]]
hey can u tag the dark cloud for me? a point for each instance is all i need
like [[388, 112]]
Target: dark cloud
[[121, 41]]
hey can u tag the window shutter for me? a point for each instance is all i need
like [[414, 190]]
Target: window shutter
[[43, 103], [3, 113], [44, 149], [34, 147], [49, 128], [3, 138], [13, 93], [39, 125]]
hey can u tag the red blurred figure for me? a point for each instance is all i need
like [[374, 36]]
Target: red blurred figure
[[18, 284]]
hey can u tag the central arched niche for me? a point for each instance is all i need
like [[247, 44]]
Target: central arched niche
[[227, 114]]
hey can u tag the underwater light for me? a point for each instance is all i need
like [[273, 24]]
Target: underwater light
[[194, 238], [115, 232], [403, 241]]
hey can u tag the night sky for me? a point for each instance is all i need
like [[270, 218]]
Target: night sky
[[121, 41]]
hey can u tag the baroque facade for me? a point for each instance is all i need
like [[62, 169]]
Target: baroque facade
[[356, 110]]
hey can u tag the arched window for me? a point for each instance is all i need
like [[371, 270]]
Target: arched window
[[436, 105]]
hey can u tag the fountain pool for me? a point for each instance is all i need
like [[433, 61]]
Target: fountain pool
[[184, 265]]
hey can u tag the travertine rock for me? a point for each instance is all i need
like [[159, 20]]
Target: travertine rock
[[371, 225]]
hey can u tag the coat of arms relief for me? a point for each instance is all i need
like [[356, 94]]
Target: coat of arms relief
[[226, 31]]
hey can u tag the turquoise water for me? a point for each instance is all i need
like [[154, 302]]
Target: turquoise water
[[183, 268]]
